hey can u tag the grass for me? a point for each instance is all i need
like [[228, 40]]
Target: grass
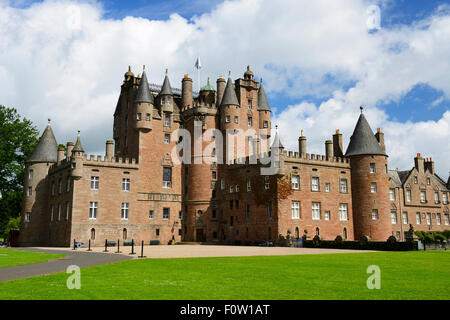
[[404, 275], [13, 258]]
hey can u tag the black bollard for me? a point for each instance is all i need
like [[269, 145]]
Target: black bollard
[[106, 245], [74, 245], [89, 249], [132, 247], [142, 250], [118, 246]]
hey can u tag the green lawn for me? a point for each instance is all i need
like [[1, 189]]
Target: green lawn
[[404, 275], [12, 258]]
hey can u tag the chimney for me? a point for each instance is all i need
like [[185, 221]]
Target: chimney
[[380, 138], [337, 144], [109, 150], [69, 149], [302, 145], [60, 155], [429, 165], [186, 92], [328, 149], [419, 163], [221, 83]]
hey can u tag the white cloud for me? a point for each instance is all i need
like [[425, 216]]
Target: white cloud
[[53, 64]]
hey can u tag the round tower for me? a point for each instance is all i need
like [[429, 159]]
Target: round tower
[[370, 184], [186, 95], [144, 102], [221, 83], [263, 110], [166, 96], [77, 159]]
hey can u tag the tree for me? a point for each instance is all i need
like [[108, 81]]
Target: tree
[[18, 138]]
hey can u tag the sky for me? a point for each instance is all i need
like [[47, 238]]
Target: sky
[[320, 60]]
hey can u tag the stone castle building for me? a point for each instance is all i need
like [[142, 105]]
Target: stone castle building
[[137, 191]]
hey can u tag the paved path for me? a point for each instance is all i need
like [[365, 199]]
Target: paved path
[[78, 258]]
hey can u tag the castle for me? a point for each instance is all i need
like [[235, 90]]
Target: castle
[[138, 191]]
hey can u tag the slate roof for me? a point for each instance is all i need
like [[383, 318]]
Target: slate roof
[[363, 141], [47, 148], [263, 104], [78, 147], [229, 96], [166, 88], [277, 142], [144, 94]]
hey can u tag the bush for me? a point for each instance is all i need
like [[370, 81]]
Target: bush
[[358, 245]]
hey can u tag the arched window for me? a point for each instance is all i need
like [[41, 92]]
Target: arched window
[[125, 234], [317, 232], [345, 233], [297, 233], [92, 234]]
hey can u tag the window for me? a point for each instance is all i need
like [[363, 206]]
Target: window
[[372, 168], [124, 234], [408, 195], [428, 218], [343, 212], [151, 214], [167, 138], [394, 217], [416, 180], [231, 189], [327, 187], [125, 184], [316, 211], [53, 189], [405, 217], [93, 207], [269, 210], [157, 232], [27, 216], [30, 174], [345, 233], [315, 184], [247, 212], [214, 175], [68, 184], [266, 124], [249, 104], [180, 215], [343, 186], [167, 177], [295, 210], [237, 188], [295, 182], [392, 194], [445, 198], [231, 204], [92, 234], [59, 212], [227, 119], [124, 211], [447, 219], [249, 186], [418, 218], [166, 120], [266, 182], [375, 214], [168, 100], [214, 152], [327, 216], [423, 196], [166, 213], [94, 183], [428, 181], [436, 197], [373, 187], [438, 219], [52, 208], [222, 184], [147, 117], [67, 211], [236, 119], [214, 214], [139, 117], [30, 191], [250, 121]]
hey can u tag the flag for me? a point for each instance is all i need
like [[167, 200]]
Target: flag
[[198, 64]]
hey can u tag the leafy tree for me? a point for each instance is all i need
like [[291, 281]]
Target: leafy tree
[[18, 138]]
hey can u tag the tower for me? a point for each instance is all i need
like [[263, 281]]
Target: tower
[[264, 113], [35, 195], [77, 159], [144, 105], [370, 184]]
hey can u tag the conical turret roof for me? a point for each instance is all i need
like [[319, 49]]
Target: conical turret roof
[[144, 94], [363, 141], [263, 104], [47, 148], [166, 88], [229, 96], [78, 147], [277, 142]]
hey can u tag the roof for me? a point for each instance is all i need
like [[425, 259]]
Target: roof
[[363, 141], [208, 87], [144, 94], [393, 175], [47, 148], [166, 88], [277, 142], [229, 96], [118, 106], [403, 175], [78, 147], [263, 104]]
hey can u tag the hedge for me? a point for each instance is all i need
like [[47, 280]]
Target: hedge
[[358, 245]]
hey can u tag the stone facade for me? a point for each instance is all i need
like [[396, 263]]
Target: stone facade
[[138, 191]]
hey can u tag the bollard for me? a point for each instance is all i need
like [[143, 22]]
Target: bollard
[[106, 245], [118, 246], [89, 249], [142, 250], [74, 245], [132, 247]]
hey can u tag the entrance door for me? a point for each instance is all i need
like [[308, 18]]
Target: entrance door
[[199, 235]]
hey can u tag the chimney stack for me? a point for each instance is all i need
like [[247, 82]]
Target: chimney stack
[[186, 88], [429, 165], [221, 83], [328, 149], [109, 150], [419, 163], [337, 144], [69, 150], [60, 155], [380, 138], [302, 145]]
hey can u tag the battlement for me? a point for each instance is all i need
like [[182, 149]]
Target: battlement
[[99, 160], [297, 157]]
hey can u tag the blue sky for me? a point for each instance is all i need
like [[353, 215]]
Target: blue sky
[[318, 60]]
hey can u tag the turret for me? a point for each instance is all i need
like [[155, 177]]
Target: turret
[[60, 156], [70, 146], [109, 150], [166, 96], [370, 184], [207, 95], [302, 145], [263, 108], [144, 102], [277, 150], [77, 159], [230, 107], [186, 92], [328, 149], [221, 83]]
